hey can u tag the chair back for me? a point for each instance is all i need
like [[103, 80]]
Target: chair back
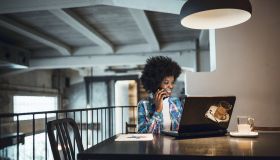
[[130, 128], [62, 141]]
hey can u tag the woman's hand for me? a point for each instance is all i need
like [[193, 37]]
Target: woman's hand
[[158, 98]]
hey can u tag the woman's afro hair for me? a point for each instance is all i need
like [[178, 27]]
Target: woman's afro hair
[[156, 69]]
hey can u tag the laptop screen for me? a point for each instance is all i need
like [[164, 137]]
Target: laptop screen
[[206, 113]]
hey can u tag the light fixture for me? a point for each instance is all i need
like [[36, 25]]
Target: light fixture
[[214, 14]]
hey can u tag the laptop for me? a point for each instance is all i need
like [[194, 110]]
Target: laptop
[[204, 117]]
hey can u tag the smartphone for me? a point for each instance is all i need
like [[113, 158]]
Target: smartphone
[[164, 91]]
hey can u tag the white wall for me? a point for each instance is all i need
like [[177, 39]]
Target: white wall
[[121, 99], [204, 61], [247, 66]]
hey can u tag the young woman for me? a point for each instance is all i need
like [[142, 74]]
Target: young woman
[[161, 111]]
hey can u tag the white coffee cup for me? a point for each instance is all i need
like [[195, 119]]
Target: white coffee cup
[[245, 124]]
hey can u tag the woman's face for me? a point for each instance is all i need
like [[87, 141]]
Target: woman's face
[[168, 84]]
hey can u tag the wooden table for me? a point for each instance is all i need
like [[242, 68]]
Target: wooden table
[[265, 146]]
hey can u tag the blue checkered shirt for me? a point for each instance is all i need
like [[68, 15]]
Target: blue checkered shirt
[[150, 121]]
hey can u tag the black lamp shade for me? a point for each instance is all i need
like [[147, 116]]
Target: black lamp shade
[[214, 14]]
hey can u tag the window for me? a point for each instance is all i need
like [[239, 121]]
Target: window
[[24, 104]]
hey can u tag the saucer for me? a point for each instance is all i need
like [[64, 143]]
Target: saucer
[[239, 134]]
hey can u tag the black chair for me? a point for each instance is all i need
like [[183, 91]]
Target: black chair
[[64, 128], [129, 127]]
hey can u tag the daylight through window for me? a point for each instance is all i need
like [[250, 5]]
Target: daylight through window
[[23, 104]]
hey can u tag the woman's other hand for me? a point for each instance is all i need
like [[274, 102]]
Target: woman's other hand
[[159, 95]]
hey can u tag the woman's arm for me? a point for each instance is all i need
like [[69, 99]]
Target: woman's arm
[[176, 112], [148, 124]]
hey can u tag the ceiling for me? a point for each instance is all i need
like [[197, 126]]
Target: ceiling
[[73, 34]]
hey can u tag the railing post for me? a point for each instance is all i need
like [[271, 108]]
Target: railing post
[[101, 125], [74, 117], [46, 147], [81, 124], [92, 131], [33, 133], [87, 126], [105, 122], [122, 119], [97, 125], [110, 119], [17, 137]]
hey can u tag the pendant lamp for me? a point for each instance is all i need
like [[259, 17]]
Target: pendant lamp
[[214, 14]]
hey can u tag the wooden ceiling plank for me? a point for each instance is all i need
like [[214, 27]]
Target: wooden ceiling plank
[[35, 35], [165, 6], [81, 26], [145, 27]]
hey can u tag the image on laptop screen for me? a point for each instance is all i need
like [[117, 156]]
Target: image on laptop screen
[[206, 113]]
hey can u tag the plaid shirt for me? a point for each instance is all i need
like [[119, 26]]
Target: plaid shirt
[[150, 121]]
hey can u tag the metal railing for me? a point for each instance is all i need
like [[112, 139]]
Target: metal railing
[[18, 132]]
